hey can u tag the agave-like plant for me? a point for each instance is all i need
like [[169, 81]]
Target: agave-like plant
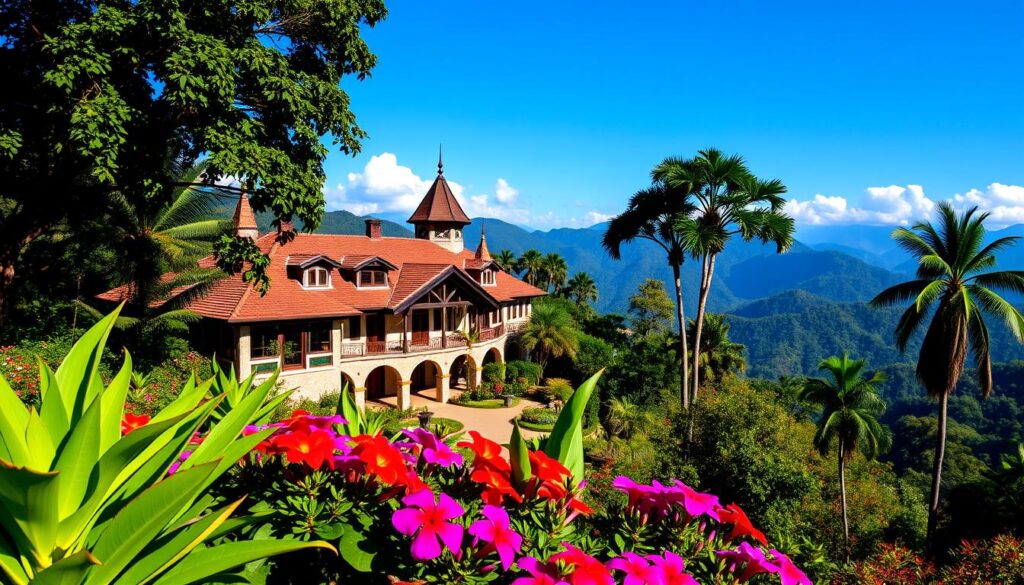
[[233, 391], [82, 504]]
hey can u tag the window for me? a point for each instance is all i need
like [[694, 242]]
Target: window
[[454, 315], [373, 279], [318, 339], [457, 234], [263, 342], [443, 234], [317, 278], [487, 278], [354, 327]]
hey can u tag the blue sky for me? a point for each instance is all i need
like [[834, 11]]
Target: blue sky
[[553, 113]]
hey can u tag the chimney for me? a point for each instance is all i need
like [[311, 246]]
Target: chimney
[[373, 230]]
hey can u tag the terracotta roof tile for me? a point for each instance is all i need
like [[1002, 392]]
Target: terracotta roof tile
[[439, 205]]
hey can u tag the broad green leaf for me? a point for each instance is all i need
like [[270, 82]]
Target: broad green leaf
[[357, 550], [229, 427], [76, 459], [143, 519], [67, 571], [13, 420], [349, 411], [566, 441], [52, 411], [78, 371], [519, 456], [112, 403], [30, 498], [10, 568], [161, 554], [206, 562], [41, 444]]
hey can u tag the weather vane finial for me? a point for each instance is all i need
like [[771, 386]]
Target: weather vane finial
[[440, 165]]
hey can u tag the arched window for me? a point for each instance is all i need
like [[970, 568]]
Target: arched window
[[487, 278], [316, 277]]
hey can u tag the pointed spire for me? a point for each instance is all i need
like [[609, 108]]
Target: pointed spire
[[482, 253], [244, 219], [440, 163]]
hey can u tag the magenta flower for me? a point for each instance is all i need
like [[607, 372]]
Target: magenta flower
[[434, 451], [540, 573], [637, 569], [696, 503], [789, 574], [672, 568], [429, 521], [750, 558], [641, 497], [177, 464], [495, 531]]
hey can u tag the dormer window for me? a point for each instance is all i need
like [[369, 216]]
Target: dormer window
[[373, 279], [487, 278], [317, 277]]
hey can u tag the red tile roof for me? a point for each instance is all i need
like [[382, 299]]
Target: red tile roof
[[244, 218], [417, 262]]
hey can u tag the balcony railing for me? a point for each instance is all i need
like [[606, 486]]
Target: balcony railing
[[515, 327], [377, 347], [426, 344], [488, 333], [420, 343]]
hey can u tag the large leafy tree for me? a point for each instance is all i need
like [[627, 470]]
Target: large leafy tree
[[650, 309], [728, 200], [955, 290], [507, 260], [551, 332], [849, 420], [719, 355], [652, 214], [99, 91]]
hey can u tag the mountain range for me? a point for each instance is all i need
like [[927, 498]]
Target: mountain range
[[790, 310]]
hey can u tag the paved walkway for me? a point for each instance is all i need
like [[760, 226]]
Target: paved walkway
[[493, 423]]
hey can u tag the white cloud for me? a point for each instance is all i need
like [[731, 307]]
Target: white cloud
[[896, 205], [384, 185]]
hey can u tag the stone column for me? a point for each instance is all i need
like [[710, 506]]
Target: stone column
[[359, 394], [444, 388], [244, 352], [404, 396]]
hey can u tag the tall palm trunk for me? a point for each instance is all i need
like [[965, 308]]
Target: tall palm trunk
[[684, 373], [842, 498], [940, 453], [707, 270]]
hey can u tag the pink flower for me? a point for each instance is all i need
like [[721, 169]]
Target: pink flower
[[672, 568], [643, 498], [638, 570], [495, 531], [181, 459], [540, 573], [789, 574], [696, 503], [750, 558], [434, 451], [585, 569], [429, 521]]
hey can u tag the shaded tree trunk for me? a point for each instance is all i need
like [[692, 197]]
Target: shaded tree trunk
[[707, 271], [684, 373], [842, 497], [940, 453]]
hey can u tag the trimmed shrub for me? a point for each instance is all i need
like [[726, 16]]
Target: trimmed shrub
[[494, 372], [516, 369], [559, 389], [539, 416]]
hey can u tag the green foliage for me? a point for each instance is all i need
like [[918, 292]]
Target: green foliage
[[551, 332], [566, 440], [85, 504], [162, 384], [493, 372], [558, 389], [522, 369], [719, 356], [650, 309], [539, 415]]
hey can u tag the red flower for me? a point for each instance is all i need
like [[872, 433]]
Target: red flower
[[497, 484], [741, 525], [312, 448], [130, 422], [381, 459], [485, 451], [546, 468]]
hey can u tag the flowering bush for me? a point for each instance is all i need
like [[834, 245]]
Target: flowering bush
[[416, 508], [999, 561]]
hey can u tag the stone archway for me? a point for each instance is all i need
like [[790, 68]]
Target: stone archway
[[463, 372], [493, 355], [347, 382], [383, 381]]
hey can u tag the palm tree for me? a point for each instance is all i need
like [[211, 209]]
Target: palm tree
[[555, 270], [581, 288], [849, 418], [550, 332], [718, 354], [652, 214], [530, 266], [729, 200], [950, 276], [506, 260], [160, 243]]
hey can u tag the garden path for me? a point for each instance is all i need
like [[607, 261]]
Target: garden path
[[492, 423]]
